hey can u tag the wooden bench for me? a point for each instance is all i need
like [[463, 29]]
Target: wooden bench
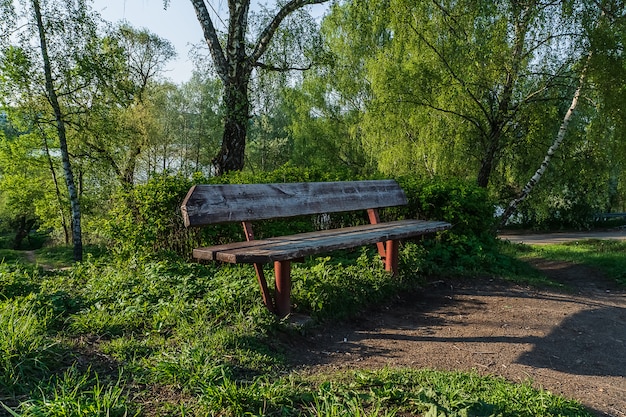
[[210, 204]]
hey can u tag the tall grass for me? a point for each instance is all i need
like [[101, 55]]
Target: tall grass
[[78, 394], [387, 392], [195, 340], [25, 351]]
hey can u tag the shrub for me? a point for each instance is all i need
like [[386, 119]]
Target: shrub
[[471, 244], [147, 219]]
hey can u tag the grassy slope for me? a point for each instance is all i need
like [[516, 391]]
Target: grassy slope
[[167, 338]]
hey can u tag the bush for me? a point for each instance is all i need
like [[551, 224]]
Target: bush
[[147, 221], [470, 246]]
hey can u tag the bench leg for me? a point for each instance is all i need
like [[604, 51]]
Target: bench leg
[[375, 219], [282, 272], [265, 292], [260, 276], [391, 256]]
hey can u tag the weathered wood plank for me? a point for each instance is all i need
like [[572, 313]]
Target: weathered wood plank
[[207, 204], [306, 244]]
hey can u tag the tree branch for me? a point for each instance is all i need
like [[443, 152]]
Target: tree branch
[[210, 35], [465, 117], [266, 36], [451, 71], [280, 69]]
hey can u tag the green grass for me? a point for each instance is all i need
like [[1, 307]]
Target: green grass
[[123, 338], [53, 257], [387, 392], [11, 256], [63, 256], [608, 256], [26, 352], [78, 393]]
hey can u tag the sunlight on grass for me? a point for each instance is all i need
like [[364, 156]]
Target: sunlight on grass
[[608, 256], [387, 392], [63, 256], [200, 334], [12, 256]]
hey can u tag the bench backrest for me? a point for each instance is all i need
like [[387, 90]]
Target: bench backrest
[[207, 204]]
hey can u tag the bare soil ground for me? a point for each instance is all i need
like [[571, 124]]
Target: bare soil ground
[[570, 341]]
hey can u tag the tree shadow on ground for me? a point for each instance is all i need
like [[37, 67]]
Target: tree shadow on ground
[[591, 342]]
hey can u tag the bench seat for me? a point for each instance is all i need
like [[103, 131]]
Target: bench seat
[[296, 246]]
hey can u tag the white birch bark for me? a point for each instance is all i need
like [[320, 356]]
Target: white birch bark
[[60, 124], [551, 150]]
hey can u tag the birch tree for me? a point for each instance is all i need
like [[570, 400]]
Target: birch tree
[[512, 207], [234, 58], [44, 62], [609, 51], [53, 98]]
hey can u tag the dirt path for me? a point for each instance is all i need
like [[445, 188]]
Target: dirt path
[[570, 342], [561, 237], [30, 256]]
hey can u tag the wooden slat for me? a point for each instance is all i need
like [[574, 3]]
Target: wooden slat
[[306, 244], [207, 204]]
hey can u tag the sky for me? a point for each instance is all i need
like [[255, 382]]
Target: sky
[[178, 24]]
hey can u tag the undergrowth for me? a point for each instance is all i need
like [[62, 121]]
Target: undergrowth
[[167, 338]]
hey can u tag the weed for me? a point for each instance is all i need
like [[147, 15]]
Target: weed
[[26, 354], [202, 334], [77, 394]]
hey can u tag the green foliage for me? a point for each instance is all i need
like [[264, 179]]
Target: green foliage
[[10, 255], [470, 246], [459, 394], [428, 100], [17, 280], [147, 220], [578, 183], [201, 334], [467, 206], [387, 392], [79, 394], [337, 289], [62, 256], [23, 184], [139, 296]]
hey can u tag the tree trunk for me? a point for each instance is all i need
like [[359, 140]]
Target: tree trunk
[[486, 166], [551, 150], [237, 105], [20, 233], [234, 66], [66, 232], [60, 125], [127, 177]]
